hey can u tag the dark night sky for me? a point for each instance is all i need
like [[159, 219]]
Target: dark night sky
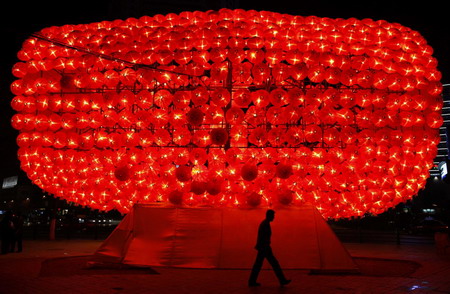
[[19, 19]]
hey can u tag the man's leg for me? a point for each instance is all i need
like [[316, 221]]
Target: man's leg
[[256, 267], [276, 266]]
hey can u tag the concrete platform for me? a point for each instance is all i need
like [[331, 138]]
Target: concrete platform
[[60, 267]]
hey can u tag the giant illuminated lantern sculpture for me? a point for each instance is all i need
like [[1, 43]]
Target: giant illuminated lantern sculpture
[[229, 108]]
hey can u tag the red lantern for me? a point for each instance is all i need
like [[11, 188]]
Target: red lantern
[[176, 197], [249, 172], [220, 97], [195, 116], [122, 173], [198, 188], [285, 197], [254, 199], [214, 186], [183, 173], [219, 136], [284, 170], [162, 98]]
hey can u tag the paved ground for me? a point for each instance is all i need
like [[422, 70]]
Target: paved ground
[[59, 267]]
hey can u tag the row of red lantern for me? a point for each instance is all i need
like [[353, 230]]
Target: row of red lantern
[[302, 123], [204, 60], [389, 161], [201, 189], [311, 99], [337, 209], [419, 149], [218, 188], [274, 138], [98, 164], [374, 202], [220, 97], [251, 75], [298, 178]]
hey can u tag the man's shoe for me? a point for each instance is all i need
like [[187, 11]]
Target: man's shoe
[[285, 282], [254, 284]]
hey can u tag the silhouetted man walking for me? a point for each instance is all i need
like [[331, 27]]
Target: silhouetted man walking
[[265, 251]]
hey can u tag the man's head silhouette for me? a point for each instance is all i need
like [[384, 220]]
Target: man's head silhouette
[[270, 215]]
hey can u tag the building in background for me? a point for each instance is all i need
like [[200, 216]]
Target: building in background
[[443, 151]]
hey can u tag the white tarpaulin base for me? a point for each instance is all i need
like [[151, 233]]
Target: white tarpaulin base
[[152, 235]]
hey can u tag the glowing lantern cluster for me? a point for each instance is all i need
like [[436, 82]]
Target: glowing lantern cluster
[[229, 108]]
